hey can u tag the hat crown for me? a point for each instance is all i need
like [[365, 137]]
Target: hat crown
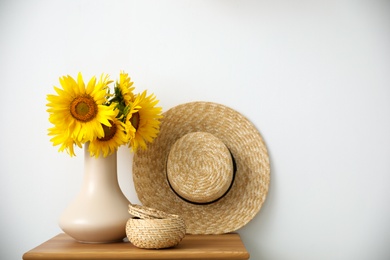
[[200, 168]]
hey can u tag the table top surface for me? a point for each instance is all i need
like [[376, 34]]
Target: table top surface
[[226, 246]]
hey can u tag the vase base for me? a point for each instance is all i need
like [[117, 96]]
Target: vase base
[[100, 242]]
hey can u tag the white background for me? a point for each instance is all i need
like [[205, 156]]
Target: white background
[[313, 76]]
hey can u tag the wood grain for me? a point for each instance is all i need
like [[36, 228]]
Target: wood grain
[[226, 246]]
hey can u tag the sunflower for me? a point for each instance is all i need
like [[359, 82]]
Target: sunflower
[[125, 88], [143, 120], [78, 111], [133, 108], [90, 114], [114, 137], [123, 95]]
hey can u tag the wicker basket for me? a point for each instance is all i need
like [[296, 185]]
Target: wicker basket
[[154, 229]]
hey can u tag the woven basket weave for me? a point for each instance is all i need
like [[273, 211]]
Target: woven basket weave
[[154, 229]]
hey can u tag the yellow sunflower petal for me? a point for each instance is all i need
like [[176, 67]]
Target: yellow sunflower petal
[[62, 138], [80, 82]]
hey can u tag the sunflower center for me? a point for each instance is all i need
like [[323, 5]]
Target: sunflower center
[[109, 132], [83, 108], [134, 120]]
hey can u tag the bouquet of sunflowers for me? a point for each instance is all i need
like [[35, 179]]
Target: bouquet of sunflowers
[[88, 112]]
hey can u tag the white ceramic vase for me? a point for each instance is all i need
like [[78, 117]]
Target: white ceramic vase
[[100, 211]]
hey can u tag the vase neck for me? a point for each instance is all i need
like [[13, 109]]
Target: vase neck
[[101, 172]]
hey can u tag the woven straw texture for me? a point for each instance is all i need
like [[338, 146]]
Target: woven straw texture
[[252, 176], [153, 229], [149, 213], [200, 167]]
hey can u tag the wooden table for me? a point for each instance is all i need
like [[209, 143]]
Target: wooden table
[[227, 246]]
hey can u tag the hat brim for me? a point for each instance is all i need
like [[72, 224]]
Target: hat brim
[[252, 177]]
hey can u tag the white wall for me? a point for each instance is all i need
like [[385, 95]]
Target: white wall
[[313, 76]]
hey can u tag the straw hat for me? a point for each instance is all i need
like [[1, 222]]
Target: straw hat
[[209, 164]]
